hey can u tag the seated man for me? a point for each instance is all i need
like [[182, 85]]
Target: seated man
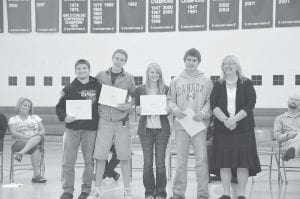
[[287, 128]]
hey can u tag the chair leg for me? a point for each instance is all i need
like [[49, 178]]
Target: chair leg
[[11, 173], [284, 171], [1, 179], [270, 167], [130, 164], [278, 168], [170, 166]]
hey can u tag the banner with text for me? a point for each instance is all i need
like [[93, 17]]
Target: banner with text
[[257, 14], [224, 14], [132, 16], [1, 16], [103, 16], [47, 15], [74, 16], [19, 16], [162, 15], [192, 15], [287, 13]]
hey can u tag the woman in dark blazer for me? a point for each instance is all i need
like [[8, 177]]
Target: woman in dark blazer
[[234, 154]]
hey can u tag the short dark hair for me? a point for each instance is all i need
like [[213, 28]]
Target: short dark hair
[[121, 51], [83, 61], [194, 53]]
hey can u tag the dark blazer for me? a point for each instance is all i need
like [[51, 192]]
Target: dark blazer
[[141, 90], [245, 99]]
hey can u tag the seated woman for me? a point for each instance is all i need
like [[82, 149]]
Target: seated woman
[[27, 133]]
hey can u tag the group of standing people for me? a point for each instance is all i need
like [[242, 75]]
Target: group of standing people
[[231, 100]]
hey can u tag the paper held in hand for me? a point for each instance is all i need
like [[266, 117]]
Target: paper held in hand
[[112, 96], [153, 104], [80, 109], [191, 126]]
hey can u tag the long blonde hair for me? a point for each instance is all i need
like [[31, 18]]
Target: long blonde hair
[[21, 101], [160, 82], [238, 67]]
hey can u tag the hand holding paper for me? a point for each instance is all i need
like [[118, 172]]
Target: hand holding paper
[[112, 96], [153, 104], [79, 109], [189, 124]]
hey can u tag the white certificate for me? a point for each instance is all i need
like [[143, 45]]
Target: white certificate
[[153, 104], [80, 109], [191, 126], [112, 96]]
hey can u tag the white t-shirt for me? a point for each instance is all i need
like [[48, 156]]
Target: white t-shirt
[[28, 127], [231, 95], [153, 122]]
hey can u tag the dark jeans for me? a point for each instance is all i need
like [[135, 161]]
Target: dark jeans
[[112, 164], [154, 137]]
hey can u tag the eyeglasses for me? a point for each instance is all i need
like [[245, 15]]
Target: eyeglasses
[[229, 64]]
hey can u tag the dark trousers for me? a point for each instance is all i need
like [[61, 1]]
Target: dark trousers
[[112, 163], [154, 139]]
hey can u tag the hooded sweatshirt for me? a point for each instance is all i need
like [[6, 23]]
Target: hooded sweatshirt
[[190, 91], [78, 91]]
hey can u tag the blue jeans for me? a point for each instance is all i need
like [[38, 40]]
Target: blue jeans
[[72, 140], [183, 142], [154, 137]]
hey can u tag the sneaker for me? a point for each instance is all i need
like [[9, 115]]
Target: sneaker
[[225, 197], [83, 195], [177, 197], [98, 194], [289, 154], [18, 157], [127, 193], [116, 176], [38, 179], [150, 197], [66, 196], [241, 197]]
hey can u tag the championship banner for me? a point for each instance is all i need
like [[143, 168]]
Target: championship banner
[[47, 15], [132, 16], [103, 16], [1, 16], [19, 16], [224, 14], [257, 14], [74, 16], [162, 15], [192, 15], [287, 13]]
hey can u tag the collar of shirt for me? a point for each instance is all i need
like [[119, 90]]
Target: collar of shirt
[[109, 71], [291, 116]]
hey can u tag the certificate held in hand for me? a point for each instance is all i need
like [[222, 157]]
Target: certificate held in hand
[[112, 96], [80, 109], [192, 127], [153, 104]]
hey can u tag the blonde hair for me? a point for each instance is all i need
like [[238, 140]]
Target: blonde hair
[[239, 71], [21, 101], [160, 82]]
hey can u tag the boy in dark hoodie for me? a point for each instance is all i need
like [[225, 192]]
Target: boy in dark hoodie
[[191, 89], [79, 132]]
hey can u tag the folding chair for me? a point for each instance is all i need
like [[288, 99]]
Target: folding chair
[[1, 161], [287, 167], [268, 146], [26, 166]]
